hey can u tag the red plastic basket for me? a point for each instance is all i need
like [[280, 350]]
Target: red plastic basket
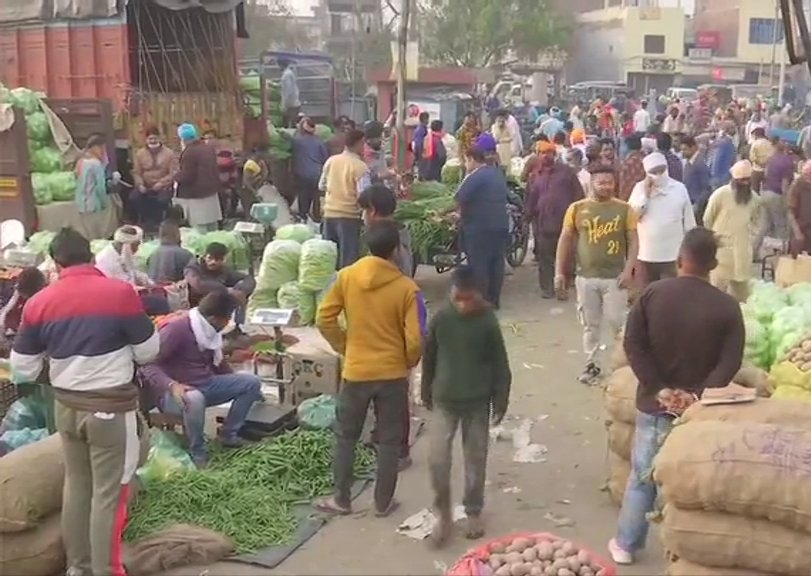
[[474, 561]]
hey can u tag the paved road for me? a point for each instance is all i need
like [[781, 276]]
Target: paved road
[[543, 339]]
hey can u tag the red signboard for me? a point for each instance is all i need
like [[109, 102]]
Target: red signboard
[[708, 39]]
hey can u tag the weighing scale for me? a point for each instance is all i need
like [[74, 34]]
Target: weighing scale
[[269, 417], [260, 231]]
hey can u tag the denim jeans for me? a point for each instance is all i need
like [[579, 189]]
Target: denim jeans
[[345, 232], [241, 389], [640, 493]]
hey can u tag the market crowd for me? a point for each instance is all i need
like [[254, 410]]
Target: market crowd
[[614, 200]]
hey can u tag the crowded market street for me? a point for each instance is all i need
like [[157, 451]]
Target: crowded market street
[[561, 495]]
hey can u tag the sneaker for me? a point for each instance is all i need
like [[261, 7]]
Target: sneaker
[[590, 373], [234, 442], [618, 555]]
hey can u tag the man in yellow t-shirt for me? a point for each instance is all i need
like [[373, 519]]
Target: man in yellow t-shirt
[[600, 231]]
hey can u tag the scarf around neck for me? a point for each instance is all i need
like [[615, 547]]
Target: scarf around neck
[[206, 335]]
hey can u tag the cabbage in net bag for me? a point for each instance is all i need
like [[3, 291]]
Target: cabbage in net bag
[[298, 232], [307, 307], [280, 264], [318, 261], [289, 296]]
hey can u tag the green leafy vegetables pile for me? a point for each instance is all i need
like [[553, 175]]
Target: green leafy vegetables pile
[[429, 218], [248, 494]]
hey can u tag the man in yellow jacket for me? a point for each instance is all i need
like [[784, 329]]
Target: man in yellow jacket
[[385, 320]]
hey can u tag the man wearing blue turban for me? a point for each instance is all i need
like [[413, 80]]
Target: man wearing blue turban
[[198, 180]]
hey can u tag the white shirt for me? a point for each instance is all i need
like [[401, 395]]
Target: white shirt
[[641, 120], [111, 264], [664, 218], [515, 132], [584, 176]]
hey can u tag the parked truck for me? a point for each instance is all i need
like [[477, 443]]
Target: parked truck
[[158, 62]]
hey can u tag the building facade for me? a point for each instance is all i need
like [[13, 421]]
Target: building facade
[[737, 41], [642, 46]]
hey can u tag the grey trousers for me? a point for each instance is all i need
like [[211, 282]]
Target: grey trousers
[[475, 425], [390, 406], [345, 232]]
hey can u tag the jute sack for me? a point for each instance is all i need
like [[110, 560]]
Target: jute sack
[[750, 376], [31, 481], [750, 469], [763, 410], [618, 358], [726, 541], [618, 471], [621, 438], [620, 396], [682, 567], [37, 552]]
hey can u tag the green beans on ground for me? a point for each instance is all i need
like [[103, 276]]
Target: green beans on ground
[[247, 494]]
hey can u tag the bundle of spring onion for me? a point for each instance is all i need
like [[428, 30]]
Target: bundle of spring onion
[[429, 217], [247, 494]]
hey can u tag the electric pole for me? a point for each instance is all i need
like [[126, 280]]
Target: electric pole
[[400, 109]]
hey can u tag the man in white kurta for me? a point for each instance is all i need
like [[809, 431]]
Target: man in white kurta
[[733, 213]]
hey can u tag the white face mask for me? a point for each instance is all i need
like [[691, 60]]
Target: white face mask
[[658, 180], [154, 146]]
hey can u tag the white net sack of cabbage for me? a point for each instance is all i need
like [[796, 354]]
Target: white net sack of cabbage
[[298, 232], [764, 302], [279, 265], [317, 266]]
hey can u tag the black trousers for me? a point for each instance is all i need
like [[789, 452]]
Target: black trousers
[[546, 247], [309, 199], [486, 251], [390, 406]]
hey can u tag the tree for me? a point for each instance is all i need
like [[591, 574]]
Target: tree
[[480, 33], [272, 25]]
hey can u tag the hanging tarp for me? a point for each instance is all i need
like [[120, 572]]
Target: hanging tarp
[[13, 11]]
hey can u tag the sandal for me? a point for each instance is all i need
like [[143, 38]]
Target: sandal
[[393, 505], [329, 506]]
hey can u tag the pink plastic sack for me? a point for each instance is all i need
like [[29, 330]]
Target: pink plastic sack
[[475, 561]]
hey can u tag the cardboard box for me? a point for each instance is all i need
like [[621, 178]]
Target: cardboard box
[[313, 374]]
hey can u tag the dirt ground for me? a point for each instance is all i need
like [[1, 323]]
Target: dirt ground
[[543, 339]]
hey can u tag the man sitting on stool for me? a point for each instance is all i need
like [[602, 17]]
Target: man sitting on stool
[[190, 374]]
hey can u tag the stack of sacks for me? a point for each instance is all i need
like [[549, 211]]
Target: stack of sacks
[[296, 267], [31, 499], [734, 480], [620, 406]]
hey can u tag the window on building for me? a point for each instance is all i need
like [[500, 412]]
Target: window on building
[[654, 44], [765, 31], [336, 24]]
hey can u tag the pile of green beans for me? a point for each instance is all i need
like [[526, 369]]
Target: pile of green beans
[[248, 494]]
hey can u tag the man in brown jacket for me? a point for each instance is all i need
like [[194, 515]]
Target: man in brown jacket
[[198, 182], [154, 168]]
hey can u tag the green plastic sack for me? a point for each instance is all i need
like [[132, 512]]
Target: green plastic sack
[[24, 98], [262, 298], [193, 241], [319, 259], [298, 232], [317, 413], [280, 264], [145, 250], [27, 412], [98, 245], [165, 458], [41, 185], [40, 242]]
